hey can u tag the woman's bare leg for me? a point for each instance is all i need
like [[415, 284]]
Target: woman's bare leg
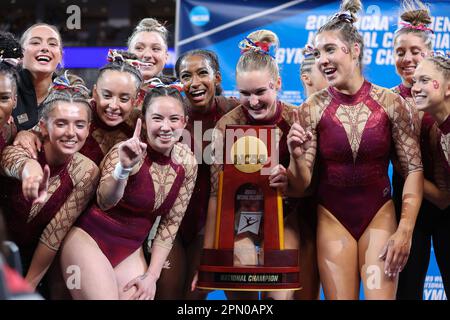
[[132, 267], [377, 286], [57, 285], [337, 256], [88, 273]]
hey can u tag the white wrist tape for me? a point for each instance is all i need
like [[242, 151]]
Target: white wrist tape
[[121, 173]]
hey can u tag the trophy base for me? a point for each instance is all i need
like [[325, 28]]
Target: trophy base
[[218, 273]]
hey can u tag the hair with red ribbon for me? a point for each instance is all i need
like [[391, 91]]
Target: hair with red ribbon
[[126, 57], [66, 87], [157, 83], [420, 27], [258, 46]]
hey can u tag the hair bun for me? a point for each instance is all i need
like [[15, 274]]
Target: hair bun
[[70, 82], [149, 25], [416, 17], [350, 8], [260, 41], [308, 52], [415, 13]]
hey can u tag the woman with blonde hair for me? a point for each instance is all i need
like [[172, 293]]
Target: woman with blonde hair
[[46, 195], [149, 42], [258, 81], [346, 132], [139, 181], [412, 44]]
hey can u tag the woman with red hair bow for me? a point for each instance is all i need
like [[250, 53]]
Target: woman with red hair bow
[[412, 44], [348, 132], [47, 194], [258, 81]]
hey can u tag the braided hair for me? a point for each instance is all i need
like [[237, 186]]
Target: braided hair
[[256, 53], [308, 60], [416, 17], [69, 88], [442, 64], [123, 61], [149, 25], [343, 21], [10, 51]]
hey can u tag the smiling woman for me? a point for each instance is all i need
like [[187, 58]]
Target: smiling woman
[[140, 181], [10, 49], [42, 53], [45, 196], [351, 125], [199, 73], [149, 43], [431, 94], [412, 46], [258, 81], [114, 95]]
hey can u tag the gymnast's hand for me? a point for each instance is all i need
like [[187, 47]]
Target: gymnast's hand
[[145, 287], [28, 141], [395, 253], [132, 150], [35, 186], [298, 140], [194, 284], [194, 281], [278, 178]]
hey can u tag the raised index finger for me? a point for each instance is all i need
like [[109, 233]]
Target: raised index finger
[[295, 116], [137, 130]]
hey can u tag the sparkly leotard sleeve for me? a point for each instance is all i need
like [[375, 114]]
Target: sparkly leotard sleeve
[[7, 134], [161, 187], [170, 222], [71, 186], [352, 136]]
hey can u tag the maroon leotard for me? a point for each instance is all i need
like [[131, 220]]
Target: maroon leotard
[[352, 136], [431, 143], [71, 186], [195, 217], [444, 141], [162, 186]]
